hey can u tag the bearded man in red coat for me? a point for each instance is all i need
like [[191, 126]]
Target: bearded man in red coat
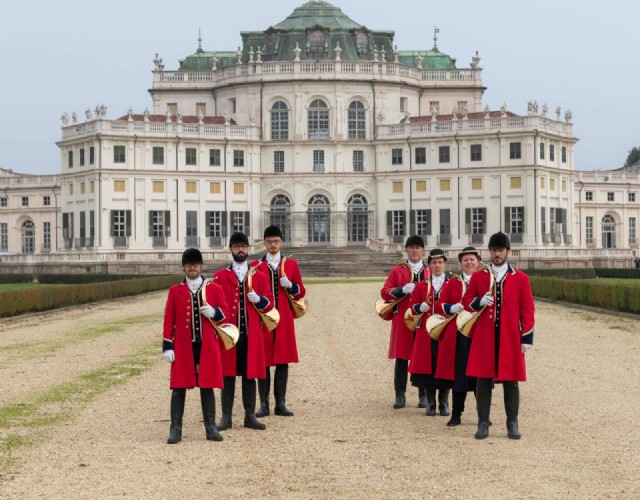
[[247, 291], [280, 344], [190, 344], [501, 335]]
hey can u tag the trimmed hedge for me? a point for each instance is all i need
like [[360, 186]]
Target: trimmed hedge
[[58, 279], [35, 299], [624, 298]]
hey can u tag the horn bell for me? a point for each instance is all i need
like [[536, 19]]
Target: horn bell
[[412, 320], [436, 325], [228, 335]]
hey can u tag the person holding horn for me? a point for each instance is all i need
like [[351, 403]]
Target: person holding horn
[[501, 335], [190, 344], [453, 347], [248, 293], [280, 344], [400, 285]]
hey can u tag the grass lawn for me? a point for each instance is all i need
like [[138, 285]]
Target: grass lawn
[[615, 281]]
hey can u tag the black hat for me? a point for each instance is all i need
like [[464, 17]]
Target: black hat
[[414, 240], [238, 239], [469, 251], [272, 231], [191, 256], [435, 253], [499, 240]]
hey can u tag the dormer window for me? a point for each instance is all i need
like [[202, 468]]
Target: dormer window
[[362, 41], [317, 41], [271, 41]]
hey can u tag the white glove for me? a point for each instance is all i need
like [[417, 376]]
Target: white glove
[[208, 311], [486, 300], [169, 356], [408, 288], [424, 307], [456, 308], [284, 282], [526, 347], [253, 297]]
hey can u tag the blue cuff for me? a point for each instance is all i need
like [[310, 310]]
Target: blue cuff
[[294, 290], [447, 309], [218, 315], [416, 308], [475, 305], [167, 345], [527, 339], [264, 302], [397, 292]]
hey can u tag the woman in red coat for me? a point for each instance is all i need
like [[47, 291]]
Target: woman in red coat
[[501, 335], [246, 358], [280, 347], [190, 343]]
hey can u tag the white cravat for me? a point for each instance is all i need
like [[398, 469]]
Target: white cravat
[[416, 266], [499, 271], [194, 285], [240, 269], [466, 277], [437, 282], [274, 260]]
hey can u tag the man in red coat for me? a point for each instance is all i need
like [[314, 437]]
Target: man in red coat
[[280, 347], [400, 284], [190, 344], [246, 292], [501, 335]]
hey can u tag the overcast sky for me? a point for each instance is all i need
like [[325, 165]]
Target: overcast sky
[[69, 55]]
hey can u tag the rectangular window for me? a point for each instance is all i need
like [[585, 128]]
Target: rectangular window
[[46, 201], [398, 223], [516, 219], [358, 160], [588, 230], [240, 222], [278, 162], [477, 220], [25, 200], [70, 187], [632, 197], [611, 196], [588, 196], [238, 158], [82, 157], [421, 156], [232, 105], [632, 231], [476, 184], [238, 188], [158, 155], [119, 186], [396, 156], [158, 187], [92, 155], [83, 227], [214, 188], [190, 156], [121, 225], [476, 152], [46, 236], [461, 106], [515, 150], [70, 160], [3, 202], [82, 188], [4, 236], [318, 160], [421, 186], [201, 109], [515, 182], [118, 154], [159, 226], [444, 153], [543, 183], [564, 185], [172, 108], [445, 225], [192, 226], [397, 187], [213, 221], [434, 107], [423, 222], [552, 184], [445, 185], [563, 154], [542, 150], [403, 104], [91, 186], [543, 220], [214, 157], [191, 187], [552, 152]]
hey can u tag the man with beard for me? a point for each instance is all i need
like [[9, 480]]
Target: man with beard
[[246, 292], [190, 344], [280, 344], [501, 335]]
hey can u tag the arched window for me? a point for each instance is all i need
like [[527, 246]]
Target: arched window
[[28, 231], [318, 122], [319, 219], [357, 219], [357, 124], [608, 232], [279, 121], [280, 215]]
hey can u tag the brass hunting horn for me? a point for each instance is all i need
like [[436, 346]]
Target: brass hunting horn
[[226, 333], [299, 307], [436, 323], [466, 319], [412, 320], [271, 318], [384, 308]]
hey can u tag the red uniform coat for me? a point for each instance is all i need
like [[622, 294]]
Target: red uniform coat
[[178, 329], [516, 319], [422, 355], [450, 294], [401, 340], [280, 344], [255, 352]]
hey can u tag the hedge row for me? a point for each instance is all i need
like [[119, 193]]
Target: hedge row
[[36, 299], [624, 298], [70, 279]]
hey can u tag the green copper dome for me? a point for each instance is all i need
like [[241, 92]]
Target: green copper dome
[[317, 13]]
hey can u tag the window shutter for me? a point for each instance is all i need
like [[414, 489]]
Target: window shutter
[[404, 223], [151, 223], [467, 220], [207, 224], [389, 222], [524, 218], [113, 222], [412, 222], [247, 224], [429, 221], [507, 220], [483, 212], [167, 223], [127, 222], [224, 224]]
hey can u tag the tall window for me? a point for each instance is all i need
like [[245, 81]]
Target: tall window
[[462, 106], [563, 154], [158, 155], [358, 219], [421, 156], [279, 121], [121, 223], [632, 197], [3, 202], [588, 230], [118, 154], [515, 219], [476, 152], [316, 41], [28, 237], [396, 156], [240, 222], [201, 109], [192, 227], [25, 200], [632, 231], [82, 157], [611, 196], [46, 201], [318, 160], [238, 158], [515, 150], [358, 160], [190, 156], [542, 150], [214, 157], [280, 215], [475, 223], [444, 154], [477, 220], [318, 120], [398, 222], [70, 160], [278, 162], [588, 196], [215, 226], [608, 232], [356, 119], [92, 155], [319, 219], [444, 235], [552, 152], [423, 222], [4, 237], [404, 104], [159, 227], [434, 107]]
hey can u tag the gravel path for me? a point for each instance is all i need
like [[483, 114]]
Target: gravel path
[[580, 438]]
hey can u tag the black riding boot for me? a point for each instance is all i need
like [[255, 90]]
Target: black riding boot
[[458, 408], [400, 376], [511, 407], [208, 402], [177, 411], [280, 390], [264, 386], [483, 401], [227, 396], [431, 403], [422, 397], [249, 403], [443, 401]]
